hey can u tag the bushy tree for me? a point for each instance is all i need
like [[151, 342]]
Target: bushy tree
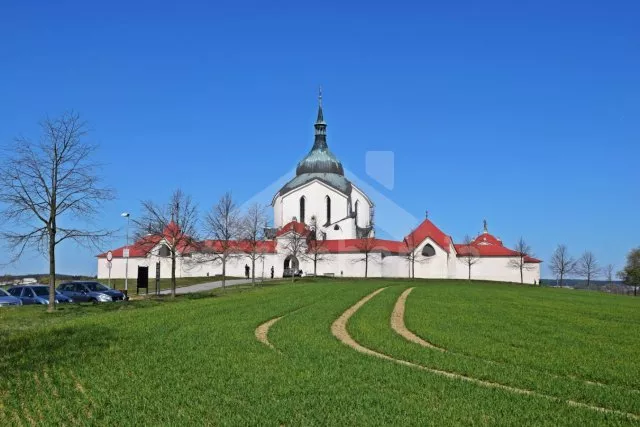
[[631, 272]]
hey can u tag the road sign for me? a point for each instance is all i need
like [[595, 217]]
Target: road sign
[[125, 253], [109, 256]]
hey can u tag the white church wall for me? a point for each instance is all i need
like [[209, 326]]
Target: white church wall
[[278, 220], [315, 194], [430, 267], [364, 207], [394, 266], [498, 269]]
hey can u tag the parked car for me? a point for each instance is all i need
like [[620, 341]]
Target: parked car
[[91, 292], [6, 299], [288, 272], [36, 294]]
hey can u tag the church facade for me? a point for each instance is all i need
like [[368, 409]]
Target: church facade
[[323, 225]]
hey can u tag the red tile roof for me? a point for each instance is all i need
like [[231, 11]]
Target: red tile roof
[[136, 250], [217, 246], [428, 229], [487, 245], [296, 226], [360, 246]]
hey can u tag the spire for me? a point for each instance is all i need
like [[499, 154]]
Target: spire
[[484, 223], [320, 125]]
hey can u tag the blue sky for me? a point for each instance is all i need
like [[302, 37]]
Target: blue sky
[[524, 114]]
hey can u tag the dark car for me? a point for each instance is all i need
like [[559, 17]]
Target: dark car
[[6, 299], [90, 291], [288, 272], [36, 294]]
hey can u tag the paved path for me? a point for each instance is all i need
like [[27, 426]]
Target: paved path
[[203, 287]]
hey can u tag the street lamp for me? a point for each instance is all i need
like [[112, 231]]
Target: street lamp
[[125, 253]]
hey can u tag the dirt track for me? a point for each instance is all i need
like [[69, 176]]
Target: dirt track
[[262, 331], [398, 325], [339, 330]]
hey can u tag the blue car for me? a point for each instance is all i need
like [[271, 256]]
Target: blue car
[[7, 300], [91, 292], [36, 294]]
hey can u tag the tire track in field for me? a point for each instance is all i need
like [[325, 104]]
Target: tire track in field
[[262, 331], [339, 330], [399, 326]]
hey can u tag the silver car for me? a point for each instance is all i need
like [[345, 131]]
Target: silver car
[[90, 291], [36, 294], [7, 300]]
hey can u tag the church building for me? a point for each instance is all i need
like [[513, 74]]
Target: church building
[[323, 225]]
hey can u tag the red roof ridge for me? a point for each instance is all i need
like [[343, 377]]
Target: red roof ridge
[[428, 229]]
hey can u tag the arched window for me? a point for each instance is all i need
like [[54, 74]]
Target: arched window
[[428, 250], [302, 201], [328, 210], [356, 211], [164, 251]]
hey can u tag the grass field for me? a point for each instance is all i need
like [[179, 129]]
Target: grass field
[[512, 355]]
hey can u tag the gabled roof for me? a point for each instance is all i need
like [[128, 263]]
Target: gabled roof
[[295, 226], [424, 230]]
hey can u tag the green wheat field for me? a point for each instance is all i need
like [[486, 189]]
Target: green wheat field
[[498, 354]]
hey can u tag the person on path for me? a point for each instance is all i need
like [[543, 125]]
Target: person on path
[[246, 270], [272, 271]]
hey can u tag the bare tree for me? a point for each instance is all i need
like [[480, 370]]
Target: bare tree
[[175, 222], [413, 256], [317, 249], [295, 246], [469, 255], [520, 262], [587, 267], [365, 248], [253, 225], [48, 188], [562, 264], [223, 224], [608, 273]]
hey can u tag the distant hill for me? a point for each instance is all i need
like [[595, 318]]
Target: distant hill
[[40, 277], [615, 287]]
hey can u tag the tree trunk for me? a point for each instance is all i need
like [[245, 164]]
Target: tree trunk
[[52, 272], [521, 274], [561, 276], [253, 271], [366, 265], [224, 272], [315, 264], [173, 275], [469, 273]]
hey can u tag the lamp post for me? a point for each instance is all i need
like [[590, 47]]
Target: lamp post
[[126, 256]]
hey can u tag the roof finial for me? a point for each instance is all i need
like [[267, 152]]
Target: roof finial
[[426, 214], [320, 95], [484, 223]]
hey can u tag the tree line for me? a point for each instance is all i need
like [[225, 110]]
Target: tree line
[[587, 267]]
